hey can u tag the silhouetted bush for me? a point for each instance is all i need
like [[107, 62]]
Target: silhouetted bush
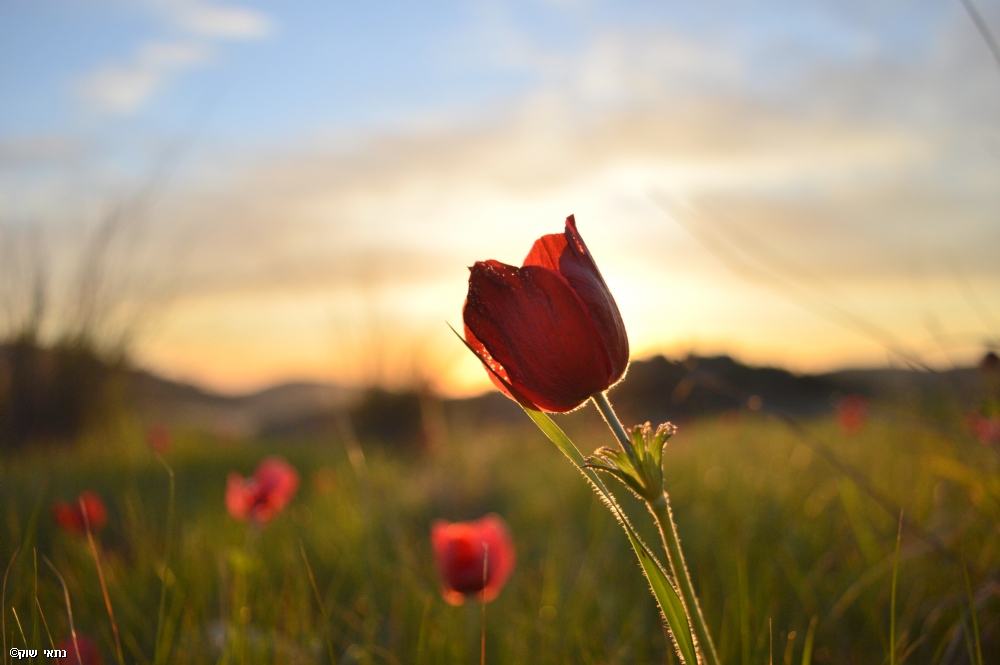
[[53, 394], [391, 418]]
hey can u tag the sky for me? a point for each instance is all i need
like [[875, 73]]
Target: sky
[[258, 192]]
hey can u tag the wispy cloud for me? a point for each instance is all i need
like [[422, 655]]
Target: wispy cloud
[[218, 20], [870, 167], [122, 88]]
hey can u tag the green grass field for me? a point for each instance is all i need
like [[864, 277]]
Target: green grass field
[[777, 541]]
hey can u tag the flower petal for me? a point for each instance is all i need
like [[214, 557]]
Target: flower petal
[[278, 478], [96, 512], [461, 552], [238, 497], [567, 254], [496, 372], [532, 323], [501, 554]]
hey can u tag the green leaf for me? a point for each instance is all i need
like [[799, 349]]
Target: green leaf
[[664, 592], [666, 596]]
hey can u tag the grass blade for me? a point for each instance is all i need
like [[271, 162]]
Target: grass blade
[[69, 609], [3, 604], [975, 621], [100, 577], [45, 623], [807, 650], [422, 634], [34, 605], [319, 603], [160, 652], [892, 601], [19, 628]]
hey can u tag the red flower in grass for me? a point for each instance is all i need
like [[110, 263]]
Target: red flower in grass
[[263, 495], [463, 549], [852, 413], [986, 429], [158, 439], [89, 653], [550, 330], [69, 516]]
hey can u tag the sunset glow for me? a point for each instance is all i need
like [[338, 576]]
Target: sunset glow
[[798, 185]]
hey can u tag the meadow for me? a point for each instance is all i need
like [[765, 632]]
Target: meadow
[[793, 560]]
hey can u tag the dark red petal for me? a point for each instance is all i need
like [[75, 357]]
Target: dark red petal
[[567, 254], [68, 517], [463, 549], [501, 554], [440, 530], [538, 330], [238, 497], [459, 550], [276, 476], [498, 375], [439, 538], [97, 514]]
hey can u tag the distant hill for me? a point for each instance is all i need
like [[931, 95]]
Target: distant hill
[[181, 404], [657, 389]]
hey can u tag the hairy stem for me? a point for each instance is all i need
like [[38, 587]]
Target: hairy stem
[[668, 532], [604, 406], [660, 508]]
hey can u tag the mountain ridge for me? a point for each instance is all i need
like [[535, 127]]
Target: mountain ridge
[[655, 389]]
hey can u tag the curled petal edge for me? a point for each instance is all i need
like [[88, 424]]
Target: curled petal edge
[[511, 390]]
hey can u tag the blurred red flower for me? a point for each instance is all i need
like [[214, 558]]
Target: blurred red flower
[[460, 549], [158, 438], [550, 329], [263, 495], [69, 516], [986, 429], [89, 653], [852, 413]]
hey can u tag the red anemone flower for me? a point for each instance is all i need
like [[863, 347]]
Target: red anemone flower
[[69, 516], [463, 549], [986, 429], [89, 653], [158, 438], [549, 332], [852, 413], [263, 495]]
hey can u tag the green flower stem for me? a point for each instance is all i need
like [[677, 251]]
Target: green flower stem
[[668, 532], [604, 406], [660, 508], [161, 651]]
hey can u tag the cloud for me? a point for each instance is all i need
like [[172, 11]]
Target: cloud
[[123, 88], [836, 195], [219, 21], [859, 171], [847, 209], [838, 164]]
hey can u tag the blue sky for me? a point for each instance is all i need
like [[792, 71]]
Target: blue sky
[[746, 174]]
